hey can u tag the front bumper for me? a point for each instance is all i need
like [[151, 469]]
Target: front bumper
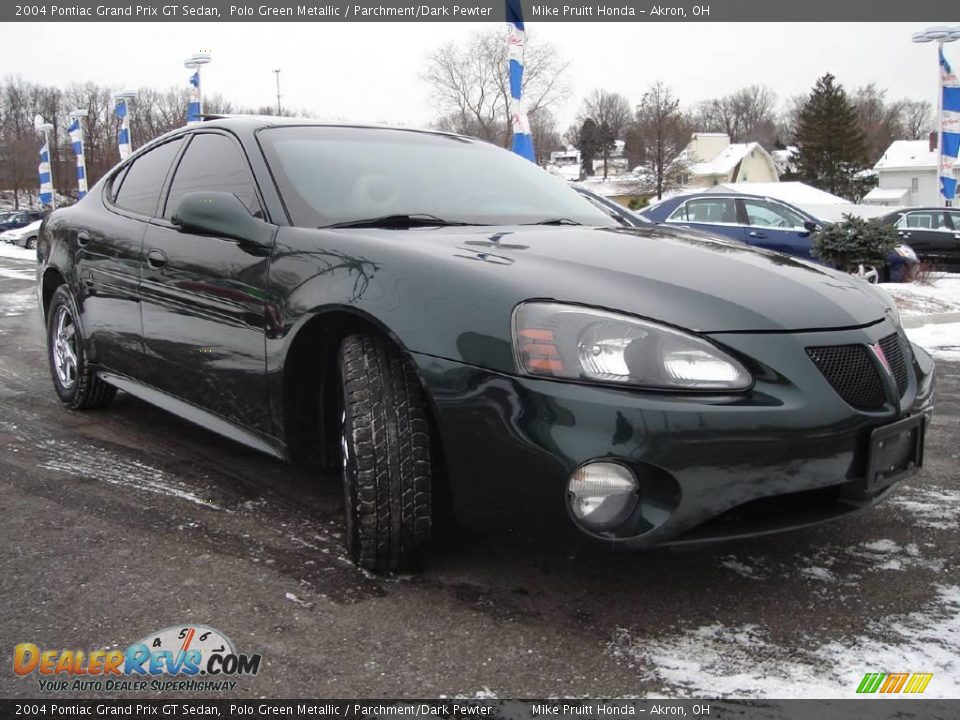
[[788, 453]]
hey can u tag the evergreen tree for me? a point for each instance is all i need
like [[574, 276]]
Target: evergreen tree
[[832, 148], [590, 144]]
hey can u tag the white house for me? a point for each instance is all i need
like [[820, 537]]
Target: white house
[[713, 160], [907, 175]]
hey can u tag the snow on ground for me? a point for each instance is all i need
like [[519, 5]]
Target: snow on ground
[[931, 507], [942, 295], [743, 661], [14, 251], [940, 340], [18, 303], [95, 463]]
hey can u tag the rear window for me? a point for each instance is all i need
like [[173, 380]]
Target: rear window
[[140, 186]]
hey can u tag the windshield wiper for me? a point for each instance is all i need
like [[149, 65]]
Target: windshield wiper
[[555, 221], [399, 221]]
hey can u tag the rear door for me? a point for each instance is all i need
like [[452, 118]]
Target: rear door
[[107, 259], [716, 214], [204, 297], [953, 261], [928, 233], [774, 226]]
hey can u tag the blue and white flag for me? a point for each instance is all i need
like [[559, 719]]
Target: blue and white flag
[[46, 177], [516, 36], [123, 135], [193, 109], [76, 139], [949, 128]]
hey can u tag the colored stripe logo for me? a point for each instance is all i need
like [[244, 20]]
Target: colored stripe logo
[[889, 683]]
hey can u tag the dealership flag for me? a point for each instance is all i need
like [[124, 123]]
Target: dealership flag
[[949, 128], [76, 139], [123, 136], [522, 140], [46, 179], [193, 109]]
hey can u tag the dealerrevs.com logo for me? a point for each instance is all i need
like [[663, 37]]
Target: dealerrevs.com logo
[[180, 658]]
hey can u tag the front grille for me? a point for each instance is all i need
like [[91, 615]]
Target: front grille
[[851, 372], [893, 350]]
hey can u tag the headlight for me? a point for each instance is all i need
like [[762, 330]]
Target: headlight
[[905, 251], [578, 343]]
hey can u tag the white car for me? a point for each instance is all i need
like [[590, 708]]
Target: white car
[[25, 236]]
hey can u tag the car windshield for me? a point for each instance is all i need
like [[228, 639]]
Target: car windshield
[[343, 175]]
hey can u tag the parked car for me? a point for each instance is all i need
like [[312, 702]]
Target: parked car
[[461, 334], [20, 218], [25, 236], [933, 233], [766, 223]]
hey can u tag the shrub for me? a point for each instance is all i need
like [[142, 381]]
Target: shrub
[[854, 241]]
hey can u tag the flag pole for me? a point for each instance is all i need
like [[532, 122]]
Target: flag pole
[[76, 140], [516, 38]]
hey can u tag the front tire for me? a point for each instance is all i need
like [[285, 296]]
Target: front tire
[[386, 456], [76, 383], [31, 243]]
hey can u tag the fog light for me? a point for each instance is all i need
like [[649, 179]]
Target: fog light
[[602, 494]]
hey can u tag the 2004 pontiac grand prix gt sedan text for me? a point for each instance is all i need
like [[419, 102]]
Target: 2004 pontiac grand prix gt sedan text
[[463, 333]]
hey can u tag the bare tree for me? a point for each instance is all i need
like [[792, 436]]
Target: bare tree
[[667, 132], [471, 85], [611, 113], [916, 117], [747, 115]]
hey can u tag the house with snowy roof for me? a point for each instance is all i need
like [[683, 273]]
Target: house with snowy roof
[[907, 175], [713, 160]]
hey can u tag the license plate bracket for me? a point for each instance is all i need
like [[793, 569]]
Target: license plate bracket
[[896, 452]]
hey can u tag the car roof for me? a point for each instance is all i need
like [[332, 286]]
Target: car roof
[[256, 122]]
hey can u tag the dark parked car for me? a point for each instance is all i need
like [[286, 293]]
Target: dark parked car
[[933, 233], [766, 223], [20, 218], [463, 334]]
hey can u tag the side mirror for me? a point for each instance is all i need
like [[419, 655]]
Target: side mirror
[[222, 215], [811, 226]]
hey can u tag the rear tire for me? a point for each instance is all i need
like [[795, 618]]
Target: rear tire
[[31, 243], [387, 466], [76, 383]]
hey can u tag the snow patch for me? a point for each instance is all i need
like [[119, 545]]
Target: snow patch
[[15, 251], [931, 507], [18, 303], [100, 464], [742, 661], [940, 340]]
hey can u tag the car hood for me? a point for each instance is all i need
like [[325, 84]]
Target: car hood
[[688, 280]]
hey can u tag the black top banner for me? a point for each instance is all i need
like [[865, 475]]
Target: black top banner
[[480, 10]]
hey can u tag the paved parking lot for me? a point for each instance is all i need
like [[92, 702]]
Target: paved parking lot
[[126, 521]]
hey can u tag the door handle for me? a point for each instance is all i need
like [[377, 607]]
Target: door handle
[[156, 258], [83, 237], [759, 235], [903, 234]]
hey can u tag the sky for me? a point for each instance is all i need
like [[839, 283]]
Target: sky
[[371, 71]]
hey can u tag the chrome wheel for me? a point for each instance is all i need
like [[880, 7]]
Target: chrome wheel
[[65, 348], [868, 273]]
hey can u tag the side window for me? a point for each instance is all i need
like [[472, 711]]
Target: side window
[[955, 217], [927, 220], [706, 210], [142, 183], [767, 214], [213, 162]]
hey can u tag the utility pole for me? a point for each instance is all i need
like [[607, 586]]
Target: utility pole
[[277, 72]]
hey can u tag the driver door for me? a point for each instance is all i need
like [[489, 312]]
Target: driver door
[[774, 226], [203, 297]]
